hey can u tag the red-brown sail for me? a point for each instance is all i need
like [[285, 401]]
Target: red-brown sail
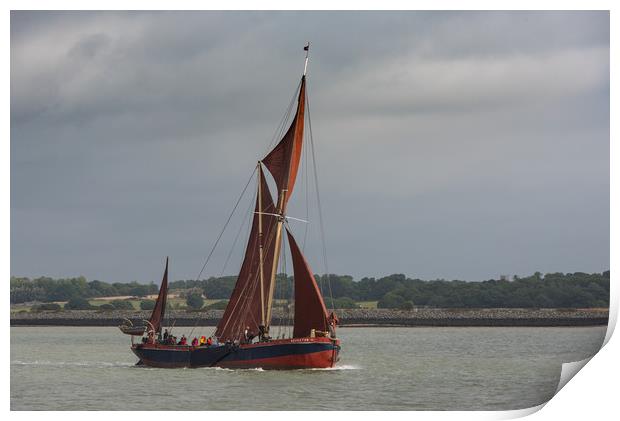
[[160, 305], [244, 308], [310, 311], [283, 160]]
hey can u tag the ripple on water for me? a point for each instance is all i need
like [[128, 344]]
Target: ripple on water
[[381, 369], [95, 364]]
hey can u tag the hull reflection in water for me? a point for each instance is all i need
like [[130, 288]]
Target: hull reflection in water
[[293, 353]]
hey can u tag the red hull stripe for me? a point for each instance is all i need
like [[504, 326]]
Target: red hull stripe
[[323, 359]]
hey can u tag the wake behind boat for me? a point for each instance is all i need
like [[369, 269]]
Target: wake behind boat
[[242, 339]]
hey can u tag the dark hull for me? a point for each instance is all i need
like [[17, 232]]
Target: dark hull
[[132, 330], [294, 353]]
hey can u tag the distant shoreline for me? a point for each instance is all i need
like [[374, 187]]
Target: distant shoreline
[[348, 318]]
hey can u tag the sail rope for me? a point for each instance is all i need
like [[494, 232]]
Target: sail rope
[[248, 291], [285, 312], [305, 177], [291, 298], [244, 221], [279, 132], [226, 224], [284, 319], [318, 199]]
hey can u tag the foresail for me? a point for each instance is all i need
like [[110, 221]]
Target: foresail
[[244, 307], [310, 311], [283, 160], [160, 305]]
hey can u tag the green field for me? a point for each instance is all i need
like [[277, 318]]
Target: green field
[[175, 302], [367, 304]]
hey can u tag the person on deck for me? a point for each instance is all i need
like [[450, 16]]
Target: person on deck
[[183, 340], [333, 322], [209, 341], [195, 341], [262, 333], [166, 335], [248, 335], [203, 340]]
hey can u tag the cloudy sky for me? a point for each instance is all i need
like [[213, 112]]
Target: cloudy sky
[[449, 145]]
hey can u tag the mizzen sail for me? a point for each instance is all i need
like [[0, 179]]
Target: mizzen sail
[[310, 311], [160, 305]]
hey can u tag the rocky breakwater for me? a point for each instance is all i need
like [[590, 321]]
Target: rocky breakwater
[[348, 317], [474, 317]]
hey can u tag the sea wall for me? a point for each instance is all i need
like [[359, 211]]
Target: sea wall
[[348, 318]]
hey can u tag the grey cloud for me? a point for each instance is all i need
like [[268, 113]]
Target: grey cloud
[[457, 145]]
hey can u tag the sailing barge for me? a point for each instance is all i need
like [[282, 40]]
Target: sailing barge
[[242, 339]]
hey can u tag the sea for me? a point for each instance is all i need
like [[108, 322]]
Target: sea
[[381, 368]]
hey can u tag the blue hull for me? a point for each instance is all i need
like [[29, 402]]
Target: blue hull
[[286, 354]]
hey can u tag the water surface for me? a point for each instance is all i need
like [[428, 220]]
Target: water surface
[[464, 368]]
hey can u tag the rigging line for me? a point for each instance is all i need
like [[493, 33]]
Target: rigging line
[[278, 296], [290, 299], [305, 176], [220, 236], [280, 128], [318, 199], [283, 268], [243, 223], [245, 297], [278, 289], [235, 241], [226, 224]]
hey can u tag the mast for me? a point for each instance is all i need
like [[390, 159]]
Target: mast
[[251, 302], [260, 244], [274, 267], [283, 163], [307, 50]]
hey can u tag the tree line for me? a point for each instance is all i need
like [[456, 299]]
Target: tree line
[[46, 289], [552, 290]]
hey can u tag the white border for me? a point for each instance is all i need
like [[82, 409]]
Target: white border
[[592, 394]]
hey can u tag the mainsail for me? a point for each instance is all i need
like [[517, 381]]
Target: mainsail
[[246, 308], [310, 311], [160, 305]]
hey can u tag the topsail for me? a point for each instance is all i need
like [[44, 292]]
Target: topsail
[[283, 160]]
